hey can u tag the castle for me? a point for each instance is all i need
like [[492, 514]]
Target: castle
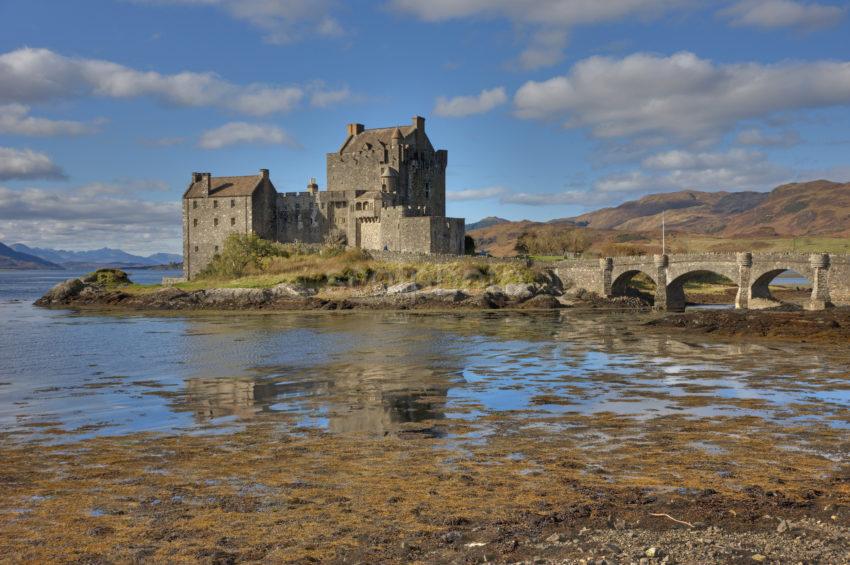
[[386, 191]]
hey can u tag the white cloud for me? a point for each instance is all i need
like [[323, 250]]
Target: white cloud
[[678, 159], [282, 21], [90, 216], [235, 133], [475, 193], [671, 171], [732, 170], [566, 198], [680, 95], [783, 13], [460, 106], [325, 98], [32, 75], [163, 141], [15, 120], [549, 19], [27, 164], [759, 138], [545, 49]]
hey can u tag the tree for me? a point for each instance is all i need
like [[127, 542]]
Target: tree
[[468, 245], [521, 245]]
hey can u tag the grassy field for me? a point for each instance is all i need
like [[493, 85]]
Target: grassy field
[[692, 243]]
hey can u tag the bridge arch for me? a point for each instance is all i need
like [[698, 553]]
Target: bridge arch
[[760, 284], [676, 298], [622, 285]]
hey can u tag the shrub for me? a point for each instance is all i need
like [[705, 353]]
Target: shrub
[[107, 277], [243, 254]]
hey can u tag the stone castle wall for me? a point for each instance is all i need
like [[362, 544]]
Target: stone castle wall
[[207, 222]]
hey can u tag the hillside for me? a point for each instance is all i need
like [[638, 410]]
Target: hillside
[[699, 221], [818, 208], [11, 259], [486, 223]]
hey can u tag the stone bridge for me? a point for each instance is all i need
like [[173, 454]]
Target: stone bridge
[[829, 276]]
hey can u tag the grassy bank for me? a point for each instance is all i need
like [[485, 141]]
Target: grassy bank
[[250, 262]]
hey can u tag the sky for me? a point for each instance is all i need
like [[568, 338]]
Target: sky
[[548, 108]]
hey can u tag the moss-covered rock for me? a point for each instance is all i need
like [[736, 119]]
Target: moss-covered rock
[[107, 277]]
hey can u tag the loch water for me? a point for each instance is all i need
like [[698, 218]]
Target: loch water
[[67, 375]]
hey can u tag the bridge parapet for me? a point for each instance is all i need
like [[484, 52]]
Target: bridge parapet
[[751, 272]]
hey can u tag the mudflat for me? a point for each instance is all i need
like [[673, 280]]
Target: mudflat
[[831, 325]]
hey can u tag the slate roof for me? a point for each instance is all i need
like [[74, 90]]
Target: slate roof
[[226, 186], [376, 137]]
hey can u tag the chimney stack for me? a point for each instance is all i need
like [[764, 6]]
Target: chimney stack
[[204, 179], [355, 129], [419, 123], [264, 174]]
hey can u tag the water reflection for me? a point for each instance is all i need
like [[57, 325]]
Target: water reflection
[[380, 373]]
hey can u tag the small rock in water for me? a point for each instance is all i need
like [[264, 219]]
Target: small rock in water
[[782, 527], [556, 538], [653, 552], [758, 558]]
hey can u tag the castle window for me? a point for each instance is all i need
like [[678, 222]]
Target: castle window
[[194, 204], [215, 203], [427, 190], [215, 221], [232, 221], [216, 248], [196, 249], [233, 203], [195, 222]]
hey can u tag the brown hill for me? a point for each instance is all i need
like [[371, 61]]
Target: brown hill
[[818, 208], [799, 209]]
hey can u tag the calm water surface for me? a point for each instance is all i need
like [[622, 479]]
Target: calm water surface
[[375, 372]]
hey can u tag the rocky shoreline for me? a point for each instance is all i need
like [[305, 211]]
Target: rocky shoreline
[[787, 323], [89, 292]]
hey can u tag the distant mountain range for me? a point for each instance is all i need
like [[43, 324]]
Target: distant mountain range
[[817, 208], [20, 256], [11, 259]]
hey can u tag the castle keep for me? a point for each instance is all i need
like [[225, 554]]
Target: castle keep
[[386, 190]]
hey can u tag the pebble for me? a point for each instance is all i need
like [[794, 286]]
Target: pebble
[[758, 557]]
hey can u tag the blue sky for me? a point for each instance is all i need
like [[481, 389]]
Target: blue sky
[[548, 107]]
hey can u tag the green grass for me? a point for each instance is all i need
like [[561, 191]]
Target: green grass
[[248, 262], [696, 244]]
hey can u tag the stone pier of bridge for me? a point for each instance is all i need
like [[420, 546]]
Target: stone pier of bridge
[[753, 274]]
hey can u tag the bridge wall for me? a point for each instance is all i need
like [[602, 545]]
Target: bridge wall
[[753, 273]]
